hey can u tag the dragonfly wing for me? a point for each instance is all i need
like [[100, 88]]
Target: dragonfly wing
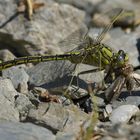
[[106, 29], [136, 77], [113, 91], [74, 39]]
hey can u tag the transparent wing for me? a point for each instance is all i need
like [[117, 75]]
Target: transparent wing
[[113, 91], [75, 39], [79, 39], [118, 13]]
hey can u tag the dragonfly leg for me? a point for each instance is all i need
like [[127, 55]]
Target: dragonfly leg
[[89, 71]]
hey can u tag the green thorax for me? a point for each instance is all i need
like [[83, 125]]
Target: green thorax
[[96, 55]]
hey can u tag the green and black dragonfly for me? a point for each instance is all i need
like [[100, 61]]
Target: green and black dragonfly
[[93, 52]]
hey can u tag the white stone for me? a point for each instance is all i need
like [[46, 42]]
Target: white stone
[[123, 113]]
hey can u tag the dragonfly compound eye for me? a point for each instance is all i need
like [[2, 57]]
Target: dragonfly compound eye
[[121, 58]]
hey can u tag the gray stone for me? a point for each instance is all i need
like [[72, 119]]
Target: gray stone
[[123, 113], [109, 4], [49, 25], [107, 111], [122, 132], [87, 5], [18, 77], [23, 104], [131, 99], [7, 97], [128, 43], [7, 89], [7, 110], [96, 76], [49, 74], [49, 115], [61, 76], [55, 117], [24, 131], [6, 55], [66, 136]]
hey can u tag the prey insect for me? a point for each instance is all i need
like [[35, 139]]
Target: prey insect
[[93, 52]]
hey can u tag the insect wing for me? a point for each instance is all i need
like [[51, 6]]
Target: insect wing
[[75, 39], [113, 91], [106, 29]]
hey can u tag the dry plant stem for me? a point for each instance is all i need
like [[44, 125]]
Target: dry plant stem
[[29, 4]]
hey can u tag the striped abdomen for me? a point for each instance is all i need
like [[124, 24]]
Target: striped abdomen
[[34, 59]]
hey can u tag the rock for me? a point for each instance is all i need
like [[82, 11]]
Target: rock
[[91, 77], [24, 131], [87, 103], [123, 113], [51, 116], [23, 104], [107, 111], [126, 42], [123, 131], [55, 117], [130, 18], [49, 25], [75, 92], [127, 4], [87, 5], [7, 89], [133, 99], [7, 97], [18, 77], [7, 110], [63, 75], [66, 136], [6, 55], [75, 120], [49, 74]]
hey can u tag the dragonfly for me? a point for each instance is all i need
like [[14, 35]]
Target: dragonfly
[[95, 53]]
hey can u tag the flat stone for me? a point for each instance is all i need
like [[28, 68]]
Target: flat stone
[[24, 131], [55, 117], [7, 97], [18, 77], [123, 113]]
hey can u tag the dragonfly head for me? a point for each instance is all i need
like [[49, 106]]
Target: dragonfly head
[[120, 58]]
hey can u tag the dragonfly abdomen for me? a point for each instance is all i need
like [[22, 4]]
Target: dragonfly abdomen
[[34, 59]]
